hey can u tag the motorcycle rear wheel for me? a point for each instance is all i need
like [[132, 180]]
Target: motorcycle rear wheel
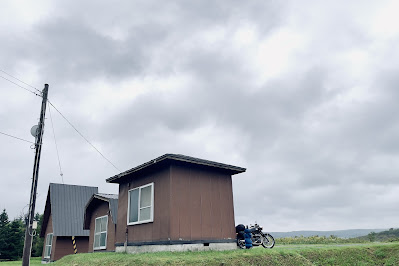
[[268, 241], [241, 243]]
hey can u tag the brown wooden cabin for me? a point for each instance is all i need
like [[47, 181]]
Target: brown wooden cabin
[[63, 219], [101, 214], [175, 202]]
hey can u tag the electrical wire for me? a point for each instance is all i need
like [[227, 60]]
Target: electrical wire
[[21, 86], [50, 117], [83, 136], [20, 81], [56, 146], [17, 138]]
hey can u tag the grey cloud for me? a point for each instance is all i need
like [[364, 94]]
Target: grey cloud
[[312, 160]]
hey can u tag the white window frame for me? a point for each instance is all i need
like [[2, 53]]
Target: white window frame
[[48, 247], [152, 205], [99, 233]]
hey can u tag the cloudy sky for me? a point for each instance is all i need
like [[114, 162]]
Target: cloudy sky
[[304, 94]]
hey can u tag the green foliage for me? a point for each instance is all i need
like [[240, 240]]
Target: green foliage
[[15, 239], [371, 236], [4, 229], [317, 240], [391, 235], [12, 236], [37, 245]]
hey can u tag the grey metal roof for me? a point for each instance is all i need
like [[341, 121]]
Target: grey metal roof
[[67, 208], [113, 204], [182, 158], [108, 196]]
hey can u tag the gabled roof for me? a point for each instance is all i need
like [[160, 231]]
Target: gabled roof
[[66, 204], [112, 200], [231, 169]]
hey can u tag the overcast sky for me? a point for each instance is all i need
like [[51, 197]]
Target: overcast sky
[[304, 94]]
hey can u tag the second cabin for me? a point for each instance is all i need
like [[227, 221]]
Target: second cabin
[[175, 202]]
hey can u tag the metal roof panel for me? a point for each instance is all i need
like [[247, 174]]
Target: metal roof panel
[[67, 208]]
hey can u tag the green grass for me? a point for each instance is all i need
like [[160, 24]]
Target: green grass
[[33, 262], [355, 254], [361, 254]]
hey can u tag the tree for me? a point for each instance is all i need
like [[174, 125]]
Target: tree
[[371, 236], [4, 234], [12, 237], [15, 239], [37, 246]]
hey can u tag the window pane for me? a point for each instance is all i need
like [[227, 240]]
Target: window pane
[[96, 241], [50, 239], [98, 225], [102, 239], [134, 205], [104, 224], [145, 200], [145, 214]]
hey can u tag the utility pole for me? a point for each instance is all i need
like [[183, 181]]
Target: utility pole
[[32, 203]]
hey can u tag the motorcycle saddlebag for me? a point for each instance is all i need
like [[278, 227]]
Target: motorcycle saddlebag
[[240, 228], [241, 235]]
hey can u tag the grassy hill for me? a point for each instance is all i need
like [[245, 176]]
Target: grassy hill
[[370, 254], [384, 236], [350, 233]]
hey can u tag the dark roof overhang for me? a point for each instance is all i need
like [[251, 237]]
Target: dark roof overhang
[[95, 199], [231, 169]]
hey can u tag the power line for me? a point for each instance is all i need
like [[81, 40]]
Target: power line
[[20, 81], [17, 138], [51, 121], [83, 136], [21, 86], [56, 147]]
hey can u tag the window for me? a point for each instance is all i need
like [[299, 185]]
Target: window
[[49, 243], [141, 205], [100, 233]]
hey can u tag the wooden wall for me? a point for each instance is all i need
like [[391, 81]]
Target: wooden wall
[[190, 203], [63, 246], [102, 209], [202, 203], [154, 231], [49, 229]]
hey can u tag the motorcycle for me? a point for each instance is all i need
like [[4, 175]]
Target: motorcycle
[[257, 236]]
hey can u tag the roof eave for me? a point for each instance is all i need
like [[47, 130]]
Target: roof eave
[[233, 169]]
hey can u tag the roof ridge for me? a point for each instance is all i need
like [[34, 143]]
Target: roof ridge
[[59, 184]]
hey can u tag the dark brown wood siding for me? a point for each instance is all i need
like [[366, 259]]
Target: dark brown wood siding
[[64, 246], [190, 203], [101, 209], [201, 204], [49, 229], [157, 230]]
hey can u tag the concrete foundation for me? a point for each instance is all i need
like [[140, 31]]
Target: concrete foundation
[[177, 247]]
